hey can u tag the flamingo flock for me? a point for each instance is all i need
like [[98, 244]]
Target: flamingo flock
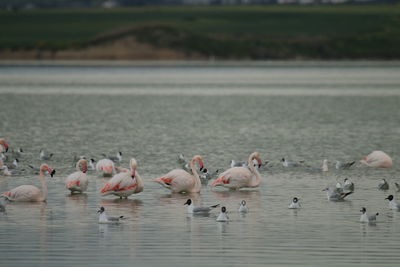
[[125, 182]]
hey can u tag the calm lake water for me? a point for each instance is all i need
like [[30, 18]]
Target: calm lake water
[[301, 111]]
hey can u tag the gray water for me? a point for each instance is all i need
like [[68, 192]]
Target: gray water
[[301, 111]]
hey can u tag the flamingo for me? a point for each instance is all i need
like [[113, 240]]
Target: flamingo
[[378, 159], [125, 183], [78, 181], [240, 177], [3, 145], [179, 181], [106, 167], [30, 192]]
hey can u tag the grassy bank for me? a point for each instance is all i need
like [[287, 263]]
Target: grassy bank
[[267, 32]]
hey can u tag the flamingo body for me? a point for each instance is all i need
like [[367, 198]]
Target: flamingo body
[[77, 182], [239, 177], [29, 192], [234, 178], [105, 166], [124, 183], [25, 193], [179, 181], [377, 159]]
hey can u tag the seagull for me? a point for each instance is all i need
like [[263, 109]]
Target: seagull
[[103, 218], [198, 210], [17, 153], [344, 166], [335, 194], [243, 208], [3, 203], [397, 187], [238, 164], [286, 163], [117, 158], [14, 164], [91, 164], [383, 185], [181, 159], [45, 156], [12, 172], [205, 175], [367, 219], [35, 170], [392, 204], [348, 185], [223, 217], [295, 204]]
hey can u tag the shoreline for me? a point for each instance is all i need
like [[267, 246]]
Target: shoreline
[[198, 63]]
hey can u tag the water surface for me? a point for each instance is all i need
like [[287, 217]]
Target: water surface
[[301, 111]]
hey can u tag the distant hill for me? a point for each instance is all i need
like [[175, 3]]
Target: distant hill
[[228, 32]]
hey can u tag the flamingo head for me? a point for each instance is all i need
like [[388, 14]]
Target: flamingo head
[[83, 163], [257, 157], [45, 167], [133, 164], [4, 143], [199, 159]]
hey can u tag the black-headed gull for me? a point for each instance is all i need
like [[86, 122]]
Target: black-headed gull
[[344, 166], [3, 203], [397, 187], [116, 158], [205, 175], [103, 218], [286, 163], [223, 216], [367, 219], [243, 208], [44, 155], [348, 186], [192, 209], [392, 204], [335, 194], [383, 185], [295, 204]]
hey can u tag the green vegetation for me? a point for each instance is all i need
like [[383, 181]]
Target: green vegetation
[[262, 32]]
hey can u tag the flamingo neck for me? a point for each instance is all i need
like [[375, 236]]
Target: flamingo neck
[[44, 185], [257, 178], [196, 178]]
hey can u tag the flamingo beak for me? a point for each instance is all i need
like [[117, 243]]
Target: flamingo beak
[[133, 173], [6, 146], [259, 163], [52, 172], [84, 168], [201, 164]]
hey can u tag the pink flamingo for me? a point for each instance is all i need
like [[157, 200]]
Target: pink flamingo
[[106, 167], [125, 183], [179, 181], [3, 145], [378, 159], [30, 192], [239, 177], [78, 181]]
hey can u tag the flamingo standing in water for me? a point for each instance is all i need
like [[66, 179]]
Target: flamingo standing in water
[[78, 181], [179, 181], [240, 177], [378, 159], [3, 145], [106, 167], [30, 192], [125, 183]]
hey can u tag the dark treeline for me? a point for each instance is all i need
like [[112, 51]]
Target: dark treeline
[[31, 4]]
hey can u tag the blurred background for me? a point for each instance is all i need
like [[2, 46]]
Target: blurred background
[[199, 29]]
